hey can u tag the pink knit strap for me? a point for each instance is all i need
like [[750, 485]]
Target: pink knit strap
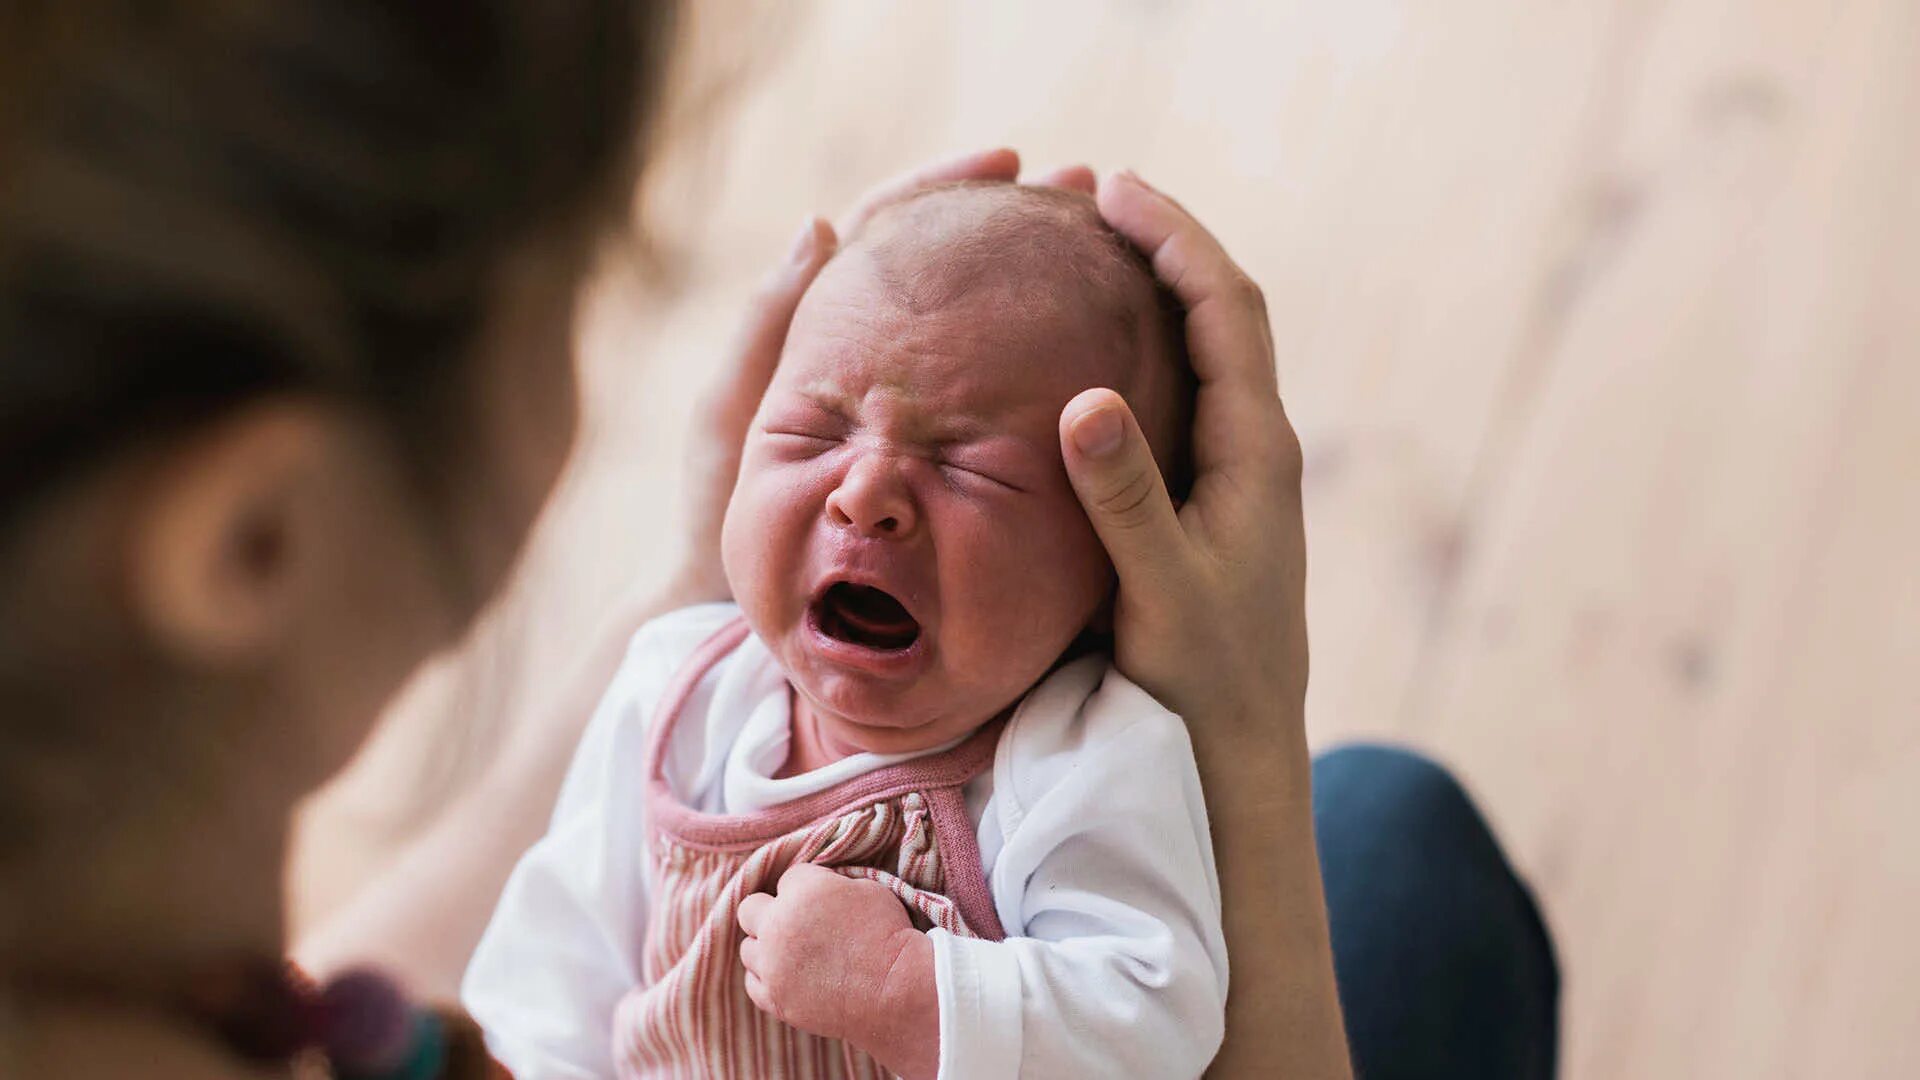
[[950, 769], [710, 652], [966, 879]]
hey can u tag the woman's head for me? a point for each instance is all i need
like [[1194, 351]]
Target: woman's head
[[285, 311]]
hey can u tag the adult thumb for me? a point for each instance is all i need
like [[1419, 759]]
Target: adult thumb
[[1120, 487]]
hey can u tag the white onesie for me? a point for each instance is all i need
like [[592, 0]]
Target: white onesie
[[1092, 835]]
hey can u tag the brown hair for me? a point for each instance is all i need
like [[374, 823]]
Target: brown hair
[[206, 202]]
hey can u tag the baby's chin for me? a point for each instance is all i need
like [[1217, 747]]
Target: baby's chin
[[854, 737], [872, 726], [854, 719]]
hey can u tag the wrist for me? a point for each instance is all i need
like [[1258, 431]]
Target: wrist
[[1252, 753], [1260, 714], [903, 1029]]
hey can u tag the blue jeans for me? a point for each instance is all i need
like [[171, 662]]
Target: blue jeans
[[1444, 966]]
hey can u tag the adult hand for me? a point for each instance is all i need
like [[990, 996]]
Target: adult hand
[[1211, 616], [1211, 619], [721, 420]]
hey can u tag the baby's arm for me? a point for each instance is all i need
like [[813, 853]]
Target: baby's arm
[[554, 960], [837, 956], [563, 945], [1118, 963]]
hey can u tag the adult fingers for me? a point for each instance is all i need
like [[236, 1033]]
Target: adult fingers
[[756, 351], [726, 408], [751, 954], [996, 164], [1238, 425], [1227, 330], [752, 913], [1073, 177], [1119, 486]]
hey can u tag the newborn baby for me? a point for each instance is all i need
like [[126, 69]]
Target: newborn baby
[[896, 811]]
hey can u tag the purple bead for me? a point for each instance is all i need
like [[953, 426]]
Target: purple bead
[[369, 1026]]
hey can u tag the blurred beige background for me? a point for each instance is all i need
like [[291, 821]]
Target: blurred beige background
[[1598, 319]]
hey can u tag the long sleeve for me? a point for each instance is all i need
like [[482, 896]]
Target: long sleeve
[[1116, 962], [564, 943]]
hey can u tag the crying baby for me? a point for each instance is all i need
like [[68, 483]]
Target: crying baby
[[895, 812]]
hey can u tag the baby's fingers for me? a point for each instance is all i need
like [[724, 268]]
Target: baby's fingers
[[753, 955], [1120, 487], [761, 998], [752, 914]]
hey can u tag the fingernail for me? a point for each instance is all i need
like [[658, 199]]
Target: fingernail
[[803, 243], [1099, 433]]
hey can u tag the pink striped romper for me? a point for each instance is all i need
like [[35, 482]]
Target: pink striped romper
[[905, 826]]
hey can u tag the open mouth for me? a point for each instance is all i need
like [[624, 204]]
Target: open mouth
[[864, 616]]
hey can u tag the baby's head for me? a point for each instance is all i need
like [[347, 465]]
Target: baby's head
[[903, 535]]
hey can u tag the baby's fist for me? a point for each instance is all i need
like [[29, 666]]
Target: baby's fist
[[837, 956]]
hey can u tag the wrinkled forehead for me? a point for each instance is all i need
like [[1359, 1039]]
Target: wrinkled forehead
[[1000, 344], [994, 300], [1043, 257]]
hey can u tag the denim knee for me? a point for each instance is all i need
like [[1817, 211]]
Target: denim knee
[[1391, 796], [1444, 965]]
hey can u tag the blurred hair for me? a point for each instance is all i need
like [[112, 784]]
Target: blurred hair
[[201, 203], [936, 244]]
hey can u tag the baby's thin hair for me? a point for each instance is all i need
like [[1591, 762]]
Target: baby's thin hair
[[937, 244]]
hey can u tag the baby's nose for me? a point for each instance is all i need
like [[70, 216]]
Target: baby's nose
[[872, 501]]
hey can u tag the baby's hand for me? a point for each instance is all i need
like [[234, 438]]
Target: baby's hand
[[837, 956]]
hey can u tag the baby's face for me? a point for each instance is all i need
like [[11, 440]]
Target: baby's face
[[903, 534]]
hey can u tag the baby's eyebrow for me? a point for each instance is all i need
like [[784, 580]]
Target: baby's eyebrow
[[959, 430], [927, 430], [955, 429], [828, 400]]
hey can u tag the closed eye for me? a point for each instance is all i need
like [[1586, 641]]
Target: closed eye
[[807, 436], [796, 445], [976, 475]]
